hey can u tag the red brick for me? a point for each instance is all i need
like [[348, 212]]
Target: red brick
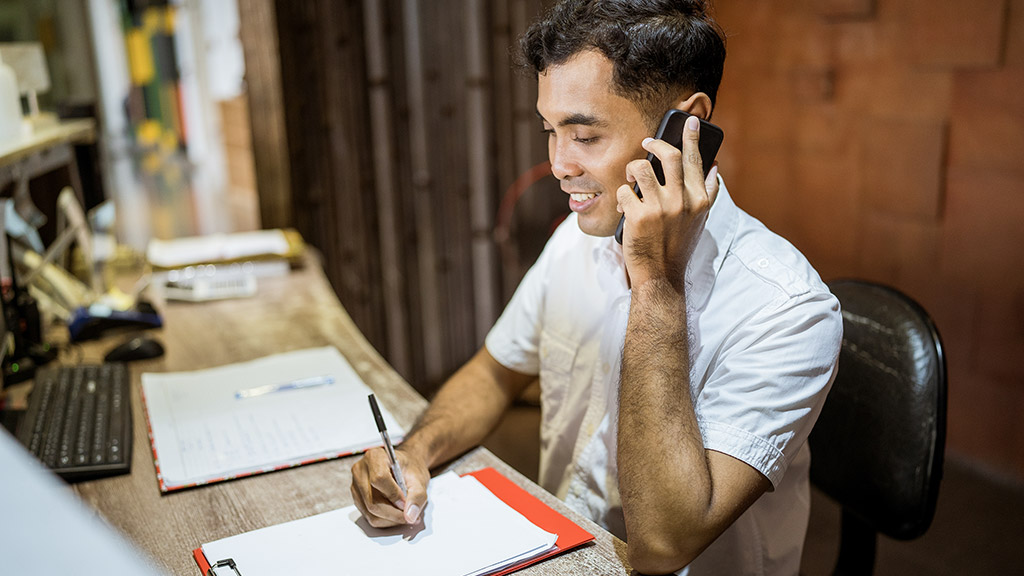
[[984, 421], [1015, 34], [987, 126], [835, 9], [994, 141], [989, 90], [903, 252], [894, 91], [804, 43], [767, 111], [827, 212], [750, 29], [764, 186], [872, 41], [999, 346], [813, 86], [951, 34], [903, 166], [828, 130], [983, 232]]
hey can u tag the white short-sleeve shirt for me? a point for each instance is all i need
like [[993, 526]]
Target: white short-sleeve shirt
[[764, 342]]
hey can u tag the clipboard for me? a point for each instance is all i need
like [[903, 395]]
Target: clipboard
[[569, 534]]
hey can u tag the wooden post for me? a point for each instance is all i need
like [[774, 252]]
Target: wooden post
[[385, 169], [481, 168], [259, 35]]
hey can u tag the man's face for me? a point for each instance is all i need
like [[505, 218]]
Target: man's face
[[592, 134]]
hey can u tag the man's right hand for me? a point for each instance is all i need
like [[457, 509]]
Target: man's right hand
[[377, 495]]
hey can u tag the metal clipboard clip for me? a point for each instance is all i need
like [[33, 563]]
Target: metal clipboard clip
[[226, 563]]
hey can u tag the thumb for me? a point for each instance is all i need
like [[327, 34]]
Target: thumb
[[415, 499]]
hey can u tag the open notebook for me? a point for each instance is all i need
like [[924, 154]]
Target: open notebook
[[275, 412], [472, 525]]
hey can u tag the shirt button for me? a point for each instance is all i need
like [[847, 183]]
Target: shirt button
[[762, 263]]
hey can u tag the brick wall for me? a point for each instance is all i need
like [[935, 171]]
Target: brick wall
[[885, 139]]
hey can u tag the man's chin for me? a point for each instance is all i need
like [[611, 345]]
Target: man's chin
[[598, 227]]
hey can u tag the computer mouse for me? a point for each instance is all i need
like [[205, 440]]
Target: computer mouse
[[137, 348]]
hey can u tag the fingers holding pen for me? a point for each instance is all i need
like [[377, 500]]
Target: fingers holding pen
[[375, 492], [416, 479]]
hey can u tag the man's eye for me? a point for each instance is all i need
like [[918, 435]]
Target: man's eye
[[547, 131], [590, 140]]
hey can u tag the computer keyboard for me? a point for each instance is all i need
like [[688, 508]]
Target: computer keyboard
[[79, 420]]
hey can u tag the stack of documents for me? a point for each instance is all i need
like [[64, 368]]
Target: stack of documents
[[275, 412], [225, 248], [465, 530]]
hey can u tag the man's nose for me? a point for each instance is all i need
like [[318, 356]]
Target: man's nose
[[563, 162]]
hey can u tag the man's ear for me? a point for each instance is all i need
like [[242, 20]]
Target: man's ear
[[698, 104]]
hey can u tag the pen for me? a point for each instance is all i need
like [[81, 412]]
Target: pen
[[395, 469], [293, 385]]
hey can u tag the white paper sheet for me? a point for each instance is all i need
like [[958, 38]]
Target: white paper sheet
[[201, 432], [216, 248], [466, 530]]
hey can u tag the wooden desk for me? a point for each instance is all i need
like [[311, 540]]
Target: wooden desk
[[292, 312]]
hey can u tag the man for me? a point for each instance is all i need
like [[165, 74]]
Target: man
[[681, 372]]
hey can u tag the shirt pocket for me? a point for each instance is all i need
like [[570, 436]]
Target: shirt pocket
[[557, 358]]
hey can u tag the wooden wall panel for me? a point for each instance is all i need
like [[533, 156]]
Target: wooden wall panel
[[406, 125], [325, 99]]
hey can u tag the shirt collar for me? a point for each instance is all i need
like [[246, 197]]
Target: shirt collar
[[714, 243]]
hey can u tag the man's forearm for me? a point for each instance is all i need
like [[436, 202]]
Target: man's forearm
[[664, 478], [464, 411]]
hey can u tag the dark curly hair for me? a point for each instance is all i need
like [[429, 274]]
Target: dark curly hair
[[659, 48]]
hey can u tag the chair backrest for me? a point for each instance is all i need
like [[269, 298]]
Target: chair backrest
[[877, 448]]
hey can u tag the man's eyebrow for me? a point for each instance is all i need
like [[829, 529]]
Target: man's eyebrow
[[577, 119]]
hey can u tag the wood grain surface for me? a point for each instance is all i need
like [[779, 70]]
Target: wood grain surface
[[291, 312]]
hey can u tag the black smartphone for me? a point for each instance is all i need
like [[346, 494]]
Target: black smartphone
[[671, 131]]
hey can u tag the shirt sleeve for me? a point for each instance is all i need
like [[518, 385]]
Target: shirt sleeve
[[761, 399], [514, 340]]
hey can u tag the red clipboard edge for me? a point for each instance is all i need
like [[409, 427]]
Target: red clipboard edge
[[204, 564]]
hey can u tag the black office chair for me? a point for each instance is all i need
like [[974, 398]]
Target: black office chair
[[877, 448]]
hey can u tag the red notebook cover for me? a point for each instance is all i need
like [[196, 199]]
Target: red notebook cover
[[569, 534]]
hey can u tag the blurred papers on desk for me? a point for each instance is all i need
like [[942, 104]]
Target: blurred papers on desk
[[472, 525], [210, 425], [226, 248]]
